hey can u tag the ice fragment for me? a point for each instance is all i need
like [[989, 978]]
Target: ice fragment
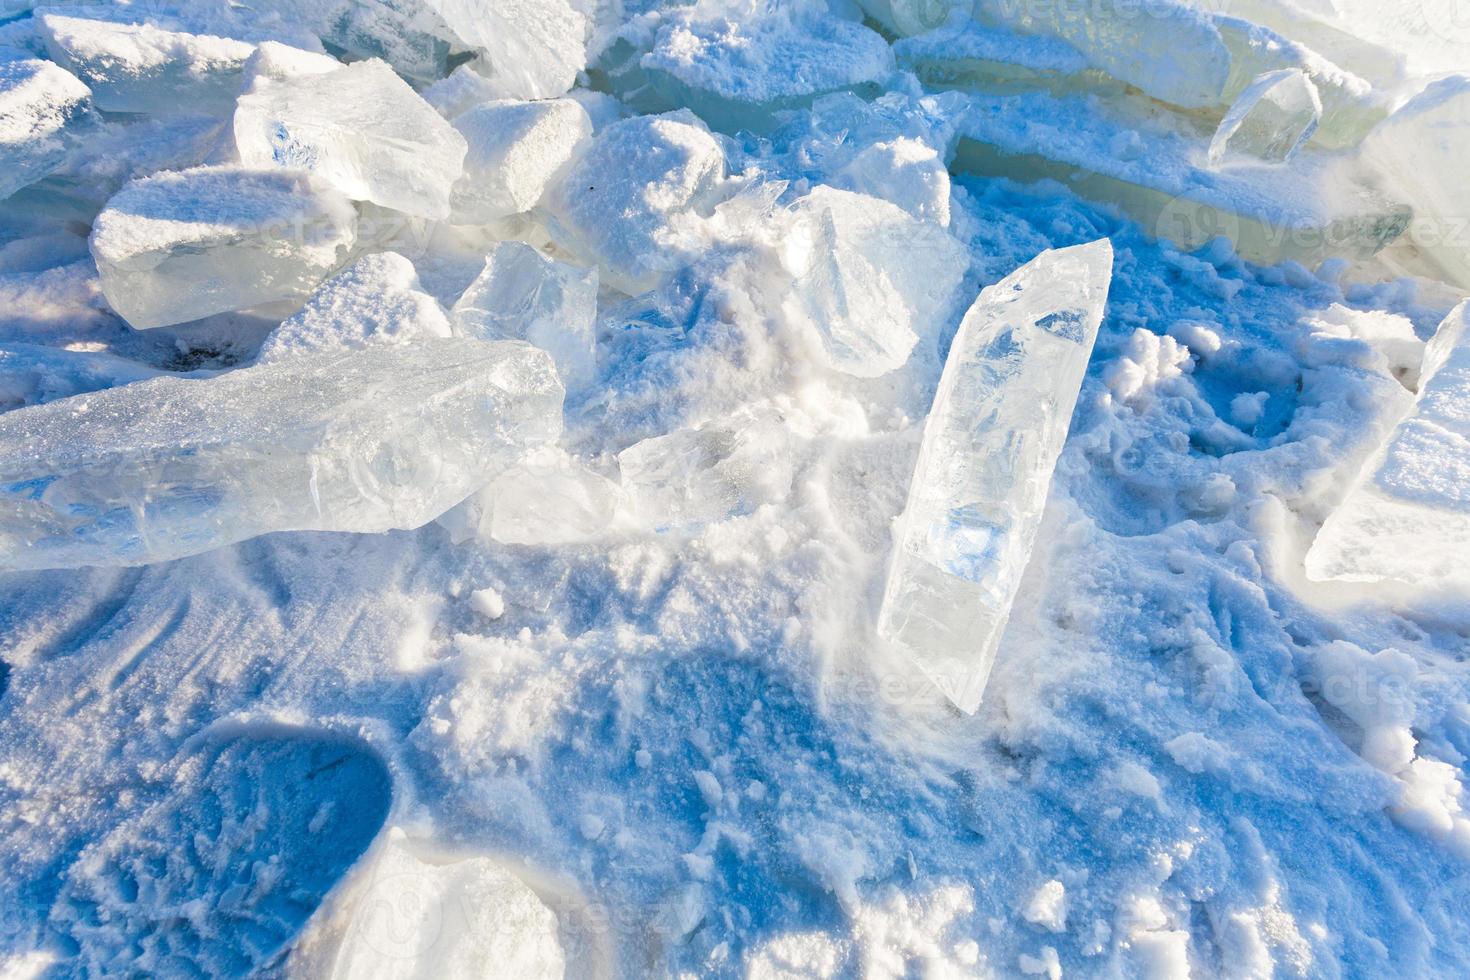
[[42, 109]]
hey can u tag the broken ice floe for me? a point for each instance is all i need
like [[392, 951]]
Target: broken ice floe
[[177, 247], [43, 109], [1408, 519], [369, 440], [990, 445]]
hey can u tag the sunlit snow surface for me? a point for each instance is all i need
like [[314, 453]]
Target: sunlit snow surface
[[617, 705]]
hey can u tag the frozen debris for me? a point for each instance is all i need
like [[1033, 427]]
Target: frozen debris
[[419, 914], [142, 68], [177, 247], [523, 295], [615, 204], [1408, 519], [990, 445], [738, 71], [1153, 168], [1419, 154], [379, 300], [360, 129], [42, 110], [369, 440], [1271, 120], [868, 277], [515, 151], [547, 500], [529, 49]]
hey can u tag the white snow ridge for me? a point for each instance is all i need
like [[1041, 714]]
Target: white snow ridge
[[793, 489]]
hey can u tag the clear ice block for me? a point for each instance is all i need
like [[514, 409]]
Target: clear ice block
[[990, 445], [523, 295], [379, 300], [515, 149], [1271, 120], [1408, 519], [42, 109], [177, 247], [143, 68], [370, 440], [360, 129]]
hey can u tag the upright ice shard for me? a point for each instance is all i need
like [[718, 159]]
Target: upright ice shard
[[41, 109], [380, 438], [176, 247], [1272, 119], [1409, 517], [990, 445]]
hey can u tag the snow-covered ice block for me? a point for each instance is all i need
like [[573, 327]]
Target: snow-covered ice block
[[523, 295], [1271, 119], [177, 247], [142, 68], [42, 109], [615, 204], [1420, 154], [868, 277], [359, 128], [1408, 519], [275, 62], [515, 150], [738, 70], [530, 49], [991, 443], [368, 440], [379, 300]]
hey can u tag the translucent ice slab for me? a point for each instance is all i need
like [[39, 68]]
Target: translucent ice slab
[[42, 109], [523, 295], [530, 49], [990, 445], [360, 129], [1271, 119], [141, 68], [380, 438], [1409, 517], [176, 247], [515, 150]]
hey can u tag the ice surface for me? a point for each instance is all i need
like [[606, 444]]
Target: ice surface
[[736, 70], [523, 295], [42, 109], [991, 442], [616, 202], [868, 277], [515, 151], [1271, 119], [142, 68], [369, 440], [530, 49], [359, 128], [176, 247], [546, 500], [379, 300], [1409, 517]]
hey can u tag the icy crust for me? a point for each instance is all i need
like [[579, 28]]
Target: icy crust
[[366, 441], [1145, 163], [141, 68], [1408, 519], [42, 108], [991, 442], [176, 247], [359, 128]]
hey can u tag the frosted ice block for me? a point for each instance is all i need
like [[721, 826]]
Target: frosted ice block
[[42, 108], [369, 440], [1408, 519], [990, 445]]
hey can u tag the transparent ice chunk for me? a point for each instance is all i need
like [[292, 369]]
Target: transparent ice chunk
[[360, 129], [1408, 518], [529, 49], [990, 445], [142, 68], [43, 108], [617, 201], [177, 247], [515, 149], [868, 277], [548, 499], [379, 300], [369, 440], [523, 295], [1271, 120]]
